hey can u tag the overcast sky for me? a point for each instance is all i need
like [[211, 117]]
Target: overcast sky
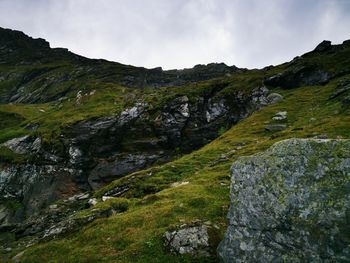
[[182, 33]]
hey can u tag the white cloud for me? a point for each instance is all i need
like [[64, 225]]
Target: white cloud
[[180, 33]]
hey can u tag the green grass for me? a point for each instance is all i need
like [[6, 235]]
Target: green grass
[[154, 206]]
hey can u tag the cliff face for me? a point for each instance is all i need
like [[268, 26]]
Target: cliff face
[[92, 153]]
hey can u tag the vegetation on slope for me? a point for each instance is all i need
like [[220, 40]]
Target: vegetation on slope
[[191, 189], [136, 235]]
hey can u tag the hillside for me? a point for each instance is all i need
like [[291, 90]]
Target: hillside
[[149, 149]]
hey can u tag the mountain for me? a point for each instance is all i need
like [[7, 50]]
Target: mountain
[[101, 161], [35, 73]]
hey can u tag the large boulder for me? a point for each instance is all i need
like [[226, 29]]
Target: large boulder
[[290, 204]]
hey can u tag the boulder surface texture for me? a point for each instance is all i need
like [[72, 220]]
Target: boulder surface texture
[[290, 203]]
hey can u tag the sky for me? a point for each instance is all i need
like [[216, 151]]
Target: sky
[[182, 33]]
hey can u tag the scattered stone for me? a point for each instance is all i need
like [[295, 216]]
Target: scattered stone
[[77, 197], [105, 198], [312, 119], [274, 98], [321, 136], [92, 201], [53, 207], [282, 115], [177, 184], [78, 97], [84, 196], [275, 127], [188, 240], [290, 204]]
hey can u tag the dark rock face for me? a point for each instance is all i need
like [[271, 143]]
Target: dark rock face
[[290, 204], [299, 76], [32, 188], [95, 152], [45, 82], [343, 87], [324, 45]]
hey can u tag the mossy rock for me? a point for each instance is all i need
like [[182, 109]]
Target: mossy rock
[[290, 204]]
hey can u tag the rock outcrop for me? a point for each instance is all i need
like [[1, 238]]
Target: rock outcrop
[[290, 204], [92, 153], [298, 76]]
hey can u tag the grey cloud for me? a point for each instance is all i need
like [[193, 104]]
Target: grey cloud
[[179, 33]]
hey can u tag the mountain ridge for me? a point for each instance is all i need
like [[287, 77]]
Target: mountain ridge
[[83, 154]]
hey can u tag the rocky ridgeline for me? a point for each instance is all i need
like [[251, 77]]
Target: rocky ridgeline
[[290, 204], [36, 73]]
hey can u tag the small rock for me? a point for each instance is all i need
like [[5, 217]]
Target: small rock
[[282, 115], [92, 201], [321, 136], [275, 127], [78, 97], [190, 240], [53, 207], [312, 119], [105, 198], [274, 98], [78, 197], [177, 184], [83, 196]]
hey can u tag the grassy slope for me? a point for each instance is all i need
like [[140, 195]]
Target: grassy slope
[[136, 235], [98, 100]]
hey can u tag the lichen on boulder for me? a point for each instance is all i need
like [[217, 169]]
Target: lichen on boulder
[[290, 203]]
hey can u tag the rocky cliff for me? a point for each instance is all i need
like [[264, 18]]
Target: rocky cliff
[[290, 203], [90, 154]]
